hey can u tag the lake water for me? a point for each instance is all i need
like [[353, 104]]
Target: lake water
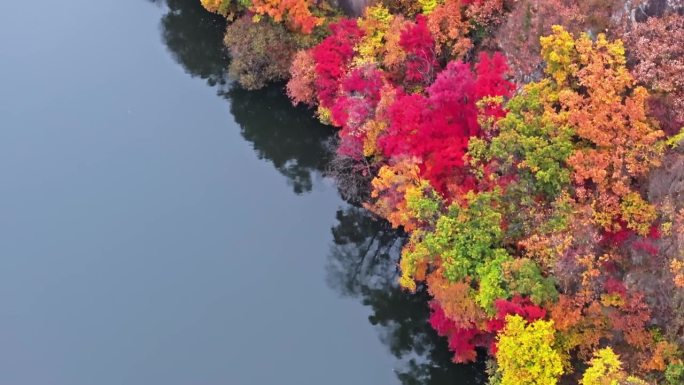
[[161, 227]]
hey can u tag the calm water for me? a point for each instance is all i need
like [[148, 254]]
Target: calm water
[[159, 226]]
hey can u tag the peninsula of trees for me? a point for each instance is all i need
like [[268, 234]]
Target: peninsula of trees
[[531, 151]]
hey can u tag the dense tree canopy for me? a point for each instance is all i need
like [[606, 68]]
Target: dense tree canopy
[[523, 178]]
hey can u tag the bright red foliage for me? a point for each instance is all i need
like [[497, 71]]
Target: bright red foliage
[[618, 237], [421, 63], [332, 56], [406, 119], [491, 81], [439, 320], [516, 306], [436, 128], [462, 341]]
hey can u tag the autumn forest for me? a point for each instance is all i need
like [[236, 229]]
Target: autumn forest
[[530, 151]]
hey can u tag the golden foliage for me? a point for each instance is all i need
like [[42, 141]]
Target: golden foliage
[[526, 353], [375, 23], [601, 104], [605, 368]]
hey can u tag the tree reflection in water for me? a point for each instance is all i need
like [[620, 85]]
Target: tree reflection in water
[[363, 264], [194, 38], [363, 259], [298, 146]]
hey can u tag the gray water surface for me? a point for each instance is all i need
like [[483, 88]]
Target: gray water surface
[[159, 226]]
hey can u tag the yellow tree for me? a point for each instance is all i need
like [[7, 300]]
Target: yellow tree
[[375, 23], [526, 353], [605, 368], [618, 142]]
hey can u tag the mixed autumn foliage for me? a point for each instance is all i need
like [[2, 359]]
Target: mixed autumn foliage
[[516, 143]]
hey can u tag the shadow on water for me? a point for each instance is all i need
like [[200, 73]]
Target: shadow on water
[[362, 262], [194, 38], [298, 146]]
